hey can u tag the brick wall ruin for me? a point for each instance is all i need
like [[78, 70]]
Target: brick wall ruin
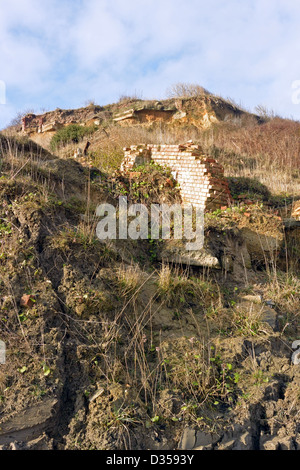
[[200, 177]]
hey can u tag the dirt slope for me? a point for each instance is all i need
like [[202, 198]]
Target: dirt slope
[[109, 349]]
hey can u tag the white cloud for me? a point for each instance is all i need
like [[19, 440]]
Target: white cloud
[[61, 53]]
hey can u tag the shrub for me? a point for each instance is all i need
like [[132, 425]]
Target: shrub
[[73, 133], [125, 98], [128, 279], [16, 121], [186, 90]]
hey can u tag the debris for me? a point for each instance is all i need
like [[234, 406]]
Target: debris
[[296, 354], [269, 315], [96, 395], [2, 352], [27, 301]]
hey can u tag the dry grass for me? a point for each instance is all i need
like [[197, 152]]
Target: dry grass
[[125, 350], [284, 290], [107, 152], [179, 289], [194, 367], [186, 90], [129, 279], [268, 152]]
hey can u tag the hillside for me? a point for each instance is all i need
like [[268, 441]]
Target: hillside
[[188, 113], [265, 148], [126, 344]]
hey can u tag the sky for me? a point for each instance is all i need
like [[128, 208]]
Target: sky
[[64, 53]]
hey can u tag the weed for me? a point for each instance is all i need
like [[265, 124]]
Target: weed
[[247, 323], [284, 290], [260, 378], [128, 279]]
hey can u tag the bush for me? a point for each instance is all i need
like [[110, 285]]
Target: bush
[[73, 133], [17, 120], [186, 90]]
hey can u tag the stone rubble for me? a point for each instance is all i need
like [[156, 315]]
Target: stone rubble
[[296, 354]]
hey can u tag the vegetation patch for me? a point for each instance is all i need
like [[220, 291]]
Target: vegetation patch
[[73, 133]]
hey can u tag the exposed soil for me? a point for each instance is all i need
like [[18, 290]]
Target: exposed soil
[[106, 357]]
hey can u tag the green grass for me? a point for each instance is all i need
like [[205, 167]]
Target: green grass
[[73, 133]]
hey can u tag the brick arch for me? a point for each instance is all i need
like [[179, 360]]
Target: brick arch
[[201, 178]]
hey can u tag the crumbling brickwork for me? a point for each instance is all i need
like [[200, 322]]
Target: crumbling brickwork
[[200, 177]]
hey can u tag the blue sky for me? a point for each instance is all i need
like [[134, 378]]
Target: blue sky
[[64, 53]]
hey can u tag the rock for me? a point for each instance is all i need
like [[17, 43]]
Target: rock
[[270, 303], [30, 423], [197, 440], [227, 445], [269, 315], [277, 443], [256, 299], [2, 352], [296, 344], [296, 357], [201, 257], [27, 301], [179, 115], [188, 439], [235, 441], [205, 441], [51, 127], [96, 395], [262, 246], [296, 354]]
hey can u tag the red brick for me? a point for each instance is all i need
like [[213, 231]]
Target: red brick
[[27, 301]]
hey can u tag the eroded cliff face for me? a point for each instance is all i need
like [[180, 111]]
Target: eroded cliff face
[[202, 112], [109, 348]]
